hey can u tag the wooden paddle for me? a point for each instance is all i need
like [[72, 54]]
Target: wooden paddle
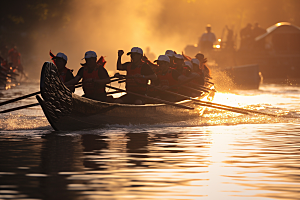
[[193, 89], [19, 108], [35, 93], [202, 87], [220, 106], [117, 79], [19, 98], [152, 98]]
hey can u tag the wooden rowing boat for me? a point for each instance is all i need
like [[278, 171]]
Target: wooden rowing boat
[[67, 111]]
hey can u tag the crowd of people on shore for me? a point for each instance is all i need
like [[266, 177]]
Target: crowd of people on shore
[[143, 77]]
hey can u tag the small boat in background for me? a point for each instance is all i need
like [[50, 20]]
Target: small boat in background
[[245, 77], [277, 52]]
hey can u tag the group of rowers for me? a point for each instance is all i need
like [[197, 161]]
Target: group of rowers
[[166, 73]]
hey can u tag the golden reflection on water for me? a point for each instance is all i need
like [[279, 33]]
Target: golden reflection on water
[[208, 162], [222, 155], [264, 103]]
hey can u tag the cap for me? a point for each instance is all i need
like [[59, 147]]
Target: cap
[[199, 56], [163, 58], [61, 55], [195, 61], [170, 53], [135, 50], [179, 56], [189, 64], [90, 54]]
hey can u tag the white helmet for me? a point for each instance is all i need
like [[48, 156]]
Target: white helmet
[[189, 64], [163, 58]]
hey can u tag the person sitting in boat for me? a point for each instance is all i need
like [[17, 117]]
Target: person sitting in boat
[[179, 63], [198, 70], [171, 55], [65, 74], [138, 75], [94, 77], [193, 77], [14, 59], [167, 79], [203, 65]]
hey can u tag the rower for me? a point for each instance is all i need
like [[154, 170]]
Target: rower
[[188, 72], [171, 55], [203, 65], [196, 69], [94, 78], [14, 59], [138, 75], [179, 63], [167, 77], [65, 74]]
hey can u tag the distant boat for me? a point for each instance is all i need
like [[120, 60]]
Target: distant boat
[[245, 77], [277, 52]]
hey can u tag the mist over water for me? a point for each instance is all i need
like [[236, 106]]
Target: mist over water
[[109, 25]]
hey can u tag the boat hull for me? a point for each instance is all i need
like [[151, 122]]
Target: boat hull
[[67, 111]]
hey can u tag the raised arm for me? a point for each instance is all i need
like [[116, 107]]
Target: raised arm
[[119, 64]]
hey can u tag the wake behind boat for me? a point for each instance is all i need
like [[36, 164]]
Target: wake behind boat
[[68, 111]]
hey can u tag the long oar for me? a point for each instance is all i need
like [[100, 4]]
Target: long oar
[[80, 83], [193, 89], [19, 108], [152, 98], [19, 98], [25, 96], [202, 87], [114, 92], [31, 105], [220, 106], [33, 94]]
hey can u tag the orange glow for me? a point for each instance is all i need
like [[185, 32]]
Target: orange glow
[[106, 26]]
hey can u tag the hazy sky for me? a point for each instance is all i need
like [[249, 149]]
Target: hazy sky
[[106, 26]]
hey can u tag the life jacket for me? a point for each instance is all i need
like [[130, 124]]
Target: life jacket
[[167, 79], [138, 85], [91, 89], [14, 57], [200, 80], [4, 65], [63, 74], [185, 71]]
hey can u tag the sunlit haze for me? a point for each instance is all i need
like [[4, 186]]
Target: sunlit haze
[[108, 25]]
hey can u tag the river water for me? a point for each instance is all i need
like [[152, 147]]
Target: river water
[[221, 155]]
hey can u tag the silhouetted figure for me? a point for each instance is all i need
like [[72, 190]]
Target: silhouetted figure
[[229, 39], [246, 37], [14, 59], [257, 31], [207, 40]]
